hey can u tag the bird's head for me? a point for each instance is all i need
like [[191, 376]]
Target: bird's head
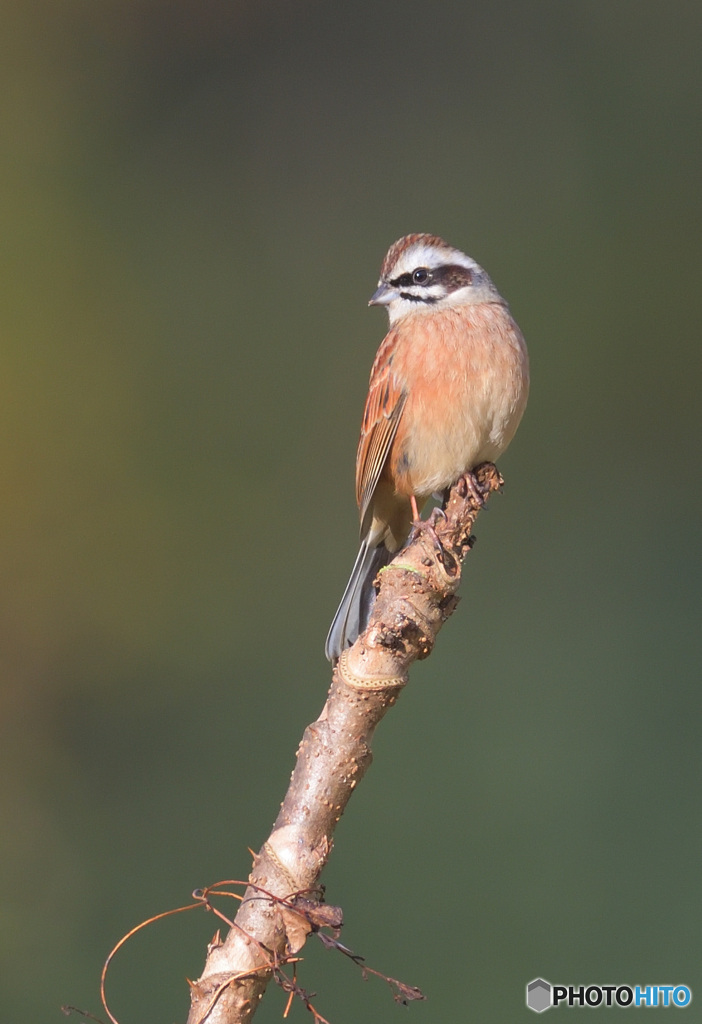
[[422, 273]]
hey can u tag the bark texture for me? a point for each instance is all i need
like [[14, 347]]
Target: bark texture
[[416, 595]]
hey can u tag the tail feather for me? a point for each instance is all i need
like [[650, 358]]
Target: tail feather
[[354, 611]]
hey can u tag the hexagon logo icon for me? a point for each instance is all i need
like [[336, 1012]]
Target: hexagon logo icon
[[538, 995]]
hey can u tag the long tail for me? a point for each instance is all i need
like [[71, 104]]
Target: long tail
[[354, 611]]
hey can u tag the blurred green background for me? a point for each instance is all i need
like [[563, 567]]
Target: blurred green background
[[196, 197]]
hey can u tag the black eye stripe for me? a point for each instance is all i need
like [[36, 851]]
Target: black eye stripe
[[403, 281], [452, 277]]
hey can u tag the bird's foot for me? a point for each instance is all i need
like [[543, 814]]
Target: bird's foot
[[428, 528], [468, 484]]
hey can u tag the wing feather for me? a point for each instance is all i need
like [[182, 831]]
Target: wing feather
[[381, 418]]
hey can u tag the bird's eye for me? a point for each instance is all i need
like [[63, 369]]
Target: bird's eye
[[421, 276]]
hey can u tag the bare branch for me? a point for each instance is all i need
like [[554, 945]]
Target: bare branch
[[416, 596]]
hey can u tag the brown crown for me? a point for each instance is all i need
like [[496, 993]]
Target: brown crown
[[402, 244]]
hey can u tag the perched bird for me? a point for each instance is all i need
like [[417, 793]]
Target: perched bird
[[447, 391]]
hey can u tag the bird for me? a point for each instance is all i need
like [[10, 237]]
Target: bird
[[447, 391]]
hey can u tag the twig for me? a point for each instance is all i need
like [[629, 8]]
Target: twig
[[416, 596]]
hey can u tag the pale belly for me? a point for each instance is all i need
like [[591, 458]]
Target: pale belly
[[464, 403]]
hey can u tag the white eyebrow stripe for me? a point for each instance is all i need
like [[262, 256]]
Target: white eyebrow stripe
[[421, 255]]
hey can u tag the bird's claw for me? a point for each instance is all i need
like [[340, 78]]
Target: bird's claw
[[468, 484], [428, 528]]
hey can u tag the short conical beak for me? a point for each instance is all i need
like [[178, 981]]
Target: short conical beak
[[384, 294]]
